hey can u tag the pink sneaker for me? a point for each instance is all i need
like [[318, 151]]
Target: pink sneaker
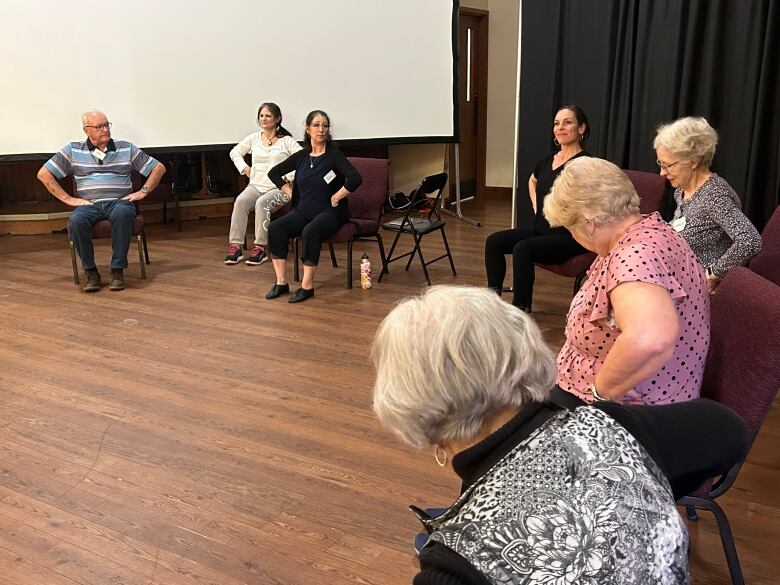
[[234, 254], [257, 256]]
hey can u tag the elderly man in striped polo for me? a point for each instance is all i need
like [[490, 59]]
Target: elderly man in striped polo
[[102, 168]]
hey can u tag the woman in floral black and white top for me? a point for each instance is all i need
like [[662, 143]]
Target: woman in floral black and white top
[[549, 495]]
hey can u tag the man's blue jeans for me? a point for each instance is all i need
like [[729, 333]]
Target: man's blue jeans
[[120, 213]]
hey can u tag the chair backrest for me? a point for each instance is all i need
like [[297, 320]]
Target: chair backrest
[[767, 262], [743, 364], [432, 185], [162, 192], [367, 201], [651, 188]]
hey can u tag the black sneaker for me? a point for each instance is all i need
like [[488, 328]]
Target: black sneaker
[[256, 257], [117, 279], [93, 280], [234, 254], [301, 295]]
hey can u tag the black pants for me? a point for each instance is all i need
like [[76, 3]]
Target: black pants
[[313, 232], [527, 246]]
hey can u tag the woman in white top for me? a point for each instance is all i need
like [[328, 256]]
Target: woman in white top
[[269, 147]]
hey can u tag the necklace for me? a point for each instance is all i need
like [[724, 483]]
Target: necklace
[[313, 159], [270, 140]]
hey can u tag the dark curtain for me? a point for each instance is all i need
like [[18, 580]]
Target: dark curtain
[[632, 64]]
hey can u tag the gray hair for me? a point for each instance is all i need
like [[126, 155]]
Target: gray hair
[[86, 115], [590, 189], [690, 138], [451, 358]]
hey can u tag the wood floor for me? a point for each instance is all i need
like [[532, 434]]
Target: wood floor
[[187, 431]]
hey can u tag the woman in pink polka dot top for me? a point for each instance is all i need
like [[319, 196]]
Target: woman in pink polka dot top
[[639, 328]]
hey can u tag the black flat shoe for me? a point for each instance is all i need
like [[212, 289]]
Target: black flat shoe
[[277, 290], [301, 295]]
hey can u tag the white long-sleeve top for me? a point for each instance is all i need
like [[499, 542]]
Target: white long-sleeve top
[[264, 157]]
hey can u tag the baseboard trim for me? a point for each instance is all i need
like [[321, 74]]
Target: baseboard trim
[[498, 192]]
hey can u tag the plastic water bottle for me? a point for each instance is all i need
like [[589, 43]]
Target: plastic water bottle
[[365, 272]]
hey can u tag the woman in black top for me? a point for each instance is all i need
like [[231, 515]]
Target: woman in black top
[[323, 179], [541, 243]]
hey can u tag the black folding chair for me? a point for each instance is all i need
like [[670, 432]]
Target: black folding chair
[[430, 191]]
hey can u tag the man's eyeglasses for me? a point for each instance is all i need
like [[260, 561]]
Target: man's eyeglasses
[[665, 167], [105, 126]]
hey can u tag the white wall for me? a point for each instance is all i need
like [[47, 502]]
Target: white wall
[[502, 82], [408, 163]]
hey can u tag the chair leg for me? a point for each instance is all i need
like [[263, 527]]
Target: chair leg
[[146, 249], [140, 239], [382, 254], [165, 214], [422, 261], [333, 255], [449, 254], [726, 537], [415, 250], [73, 261], [349, 263], [296, 271], [390, 256]]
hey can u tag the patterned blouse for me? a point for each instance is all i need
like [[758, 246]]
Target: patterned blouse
[[650, 251], [712, 223], [579, 501]]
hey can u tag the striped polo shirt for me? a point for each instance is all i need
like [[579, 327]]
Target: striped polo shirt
[[109, 178]]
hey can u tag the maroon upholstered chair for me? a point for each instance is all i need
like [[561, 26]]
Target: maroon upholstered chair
[[164, 193], [742, 372], [365, 208], [651, 188], [102, 229], [767, 262]]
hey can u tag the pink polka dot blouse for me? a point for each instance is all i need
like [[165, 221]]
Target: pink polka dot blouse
[[650, 251]]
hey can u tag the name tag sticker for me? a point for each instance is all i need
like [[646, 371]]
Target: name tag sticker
[[679, 224], [98, 154], [329, 177]]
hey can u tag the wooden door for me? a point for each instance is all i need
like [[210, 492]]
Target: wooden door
[[472, 101]]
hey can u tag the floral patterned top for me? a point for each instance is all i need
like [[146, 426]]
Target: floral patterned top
[[578, 501], [712, 223], [650, 251]]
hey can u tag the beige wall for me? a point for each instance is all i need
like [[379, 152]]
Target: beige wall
[[409, 163]]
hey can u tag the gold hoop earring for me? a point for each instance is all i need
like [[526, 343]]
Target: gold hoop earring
[[439, 462]]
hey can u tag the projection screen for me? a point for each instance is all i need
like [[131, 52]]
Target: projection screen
[[192, 74]]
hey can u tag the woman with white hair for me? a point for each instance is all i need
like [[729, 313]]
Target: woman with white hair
[[709, 213], [639, 328], [549, 495]]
